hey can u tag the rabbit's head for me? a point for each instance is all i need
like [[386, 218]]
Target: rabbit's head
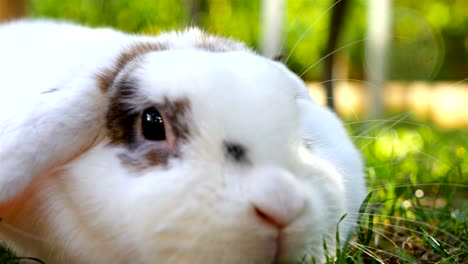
[[195, 150]]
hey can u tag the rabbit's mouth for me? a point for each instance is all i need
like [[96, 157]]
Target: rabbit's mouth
[[280, 252]]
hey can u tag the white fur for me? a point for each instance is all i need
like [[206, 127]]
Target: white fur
[[198, 209]]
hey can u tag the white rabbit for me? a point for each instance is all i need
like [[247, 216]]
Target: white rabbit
[[180, 148]]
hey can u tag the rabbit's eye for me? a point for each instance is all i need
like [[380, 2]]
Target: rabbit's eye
[[152, 124]]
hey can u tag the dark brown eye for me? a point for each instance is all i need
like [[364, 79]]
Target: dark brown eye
[[152, 124]]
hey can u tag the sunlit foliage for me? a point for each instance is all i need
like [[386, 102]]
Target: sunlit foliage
[[429, 39]]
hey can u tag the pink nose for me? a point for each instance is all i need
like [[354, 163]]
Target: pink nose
[[275, 196]]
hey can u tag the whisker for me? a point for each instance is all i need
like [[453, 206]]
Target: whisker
[[382, 234], [340, 79], [308, 28], [25, 234], [383, 187], [283, 42], [366, 137], [385, 130], [366, 131], [438, 210], [328, 55], [458, 83], [413, 222], [380, 120], [383, 165], [428, 156], [368, 252], [416, 231]]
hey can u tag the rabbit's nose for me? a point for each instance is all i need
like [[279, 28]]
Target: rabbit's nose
[[275, 196]]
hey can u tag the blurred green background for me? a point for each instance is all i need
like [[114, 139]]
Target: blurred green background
[[425, 67], [429, 38]]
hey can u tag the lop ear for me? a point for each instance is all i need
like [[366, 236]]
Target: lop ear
[[47, 131], [58, 126]]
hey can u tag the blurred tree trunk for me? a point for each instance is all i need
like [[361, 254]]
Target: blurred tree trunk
[[11, 9], [377, 46], [197, 8], [272, 27], [336, 24]]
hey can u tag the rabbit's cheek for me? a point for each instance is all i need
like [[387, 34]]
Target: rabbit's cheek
[[28, 204]]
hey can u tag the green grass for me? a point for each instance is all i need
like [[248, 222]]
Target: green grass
[[417, 207], [416, 211]]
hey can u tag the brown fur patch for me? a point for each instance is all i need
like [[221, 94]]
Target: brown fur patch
[[203, 41], [143, 159], [107, 76], [126, 104], [176, 113], [217, 44], [122, 114], [124, 128]]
